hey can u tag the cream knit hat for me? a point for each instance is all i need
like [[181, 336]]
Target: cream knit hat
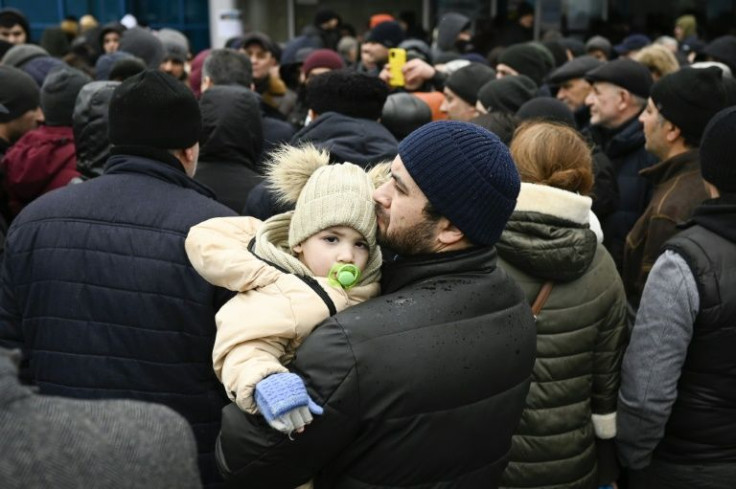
[[326, 195]]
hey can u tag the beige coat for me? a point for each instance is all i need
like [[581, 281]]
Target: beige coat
[[259, 329]]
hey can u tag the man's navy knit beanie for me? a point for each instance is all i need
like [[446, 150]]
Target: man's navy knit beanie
[[467, 174]]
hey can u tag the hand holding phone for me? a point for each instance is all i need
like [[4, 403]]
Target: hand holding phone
[[396, 62]]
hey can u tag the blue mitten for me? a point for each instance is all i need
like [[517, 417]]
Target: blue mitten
[[284, 402]]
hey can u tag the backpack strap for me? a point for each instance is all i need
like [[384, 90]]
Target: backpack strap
[[542, 297]]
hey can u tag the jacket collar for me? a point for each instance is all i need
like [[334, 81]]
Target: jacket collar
[[621, 140], [555, 202], [408, 270], [155, 163], [719, 216], [664, 170]]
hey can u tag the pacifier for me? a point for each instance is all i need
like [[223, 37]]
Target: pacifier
[[344, 275]]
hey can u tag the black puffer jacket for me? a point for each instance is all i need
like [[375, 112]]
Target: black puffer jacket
[[231, 143], [98, 292], [90, 122], [422, 387]]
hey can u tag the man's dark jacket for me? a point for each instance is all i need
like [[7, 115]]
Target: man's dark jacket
[[624, 146], [231, 143], [422, 387], [98, 292]]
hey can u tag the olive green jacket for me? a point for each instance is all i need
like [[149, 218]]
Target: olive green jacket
[[581, 335]]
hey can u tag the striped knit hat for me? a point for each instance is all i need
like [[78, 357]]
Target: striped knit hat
[[467, 174]]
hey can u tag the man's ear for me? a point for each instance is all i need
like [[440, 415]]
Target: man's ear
[[673, 132], [448, 234]]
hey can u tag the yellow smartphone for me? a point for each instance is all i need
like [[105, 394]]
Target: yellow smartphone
[[396, 61]]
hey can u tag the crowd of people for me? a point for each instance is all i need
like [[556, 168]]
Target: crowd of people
[[288, 265]]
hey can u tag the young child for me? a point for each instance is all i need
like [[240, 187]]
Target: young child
[[291, 272]]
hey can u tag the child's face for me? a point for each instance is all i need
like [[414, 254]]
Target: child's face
[[338, 244]]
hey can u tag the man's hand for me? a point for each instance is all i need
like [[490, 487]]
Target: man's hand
[[417, 71], [284, 402]]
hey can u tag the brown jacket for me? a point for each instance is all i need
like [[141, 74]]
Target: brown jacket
[[678, 189]]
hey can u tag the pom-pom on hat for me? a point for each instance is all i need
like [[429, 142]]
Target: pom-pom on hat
[[154, 109], [466, 173], [717, 149]]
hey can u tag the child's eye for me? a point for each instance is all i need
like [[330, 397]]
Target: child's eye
[[362, 244], [330, 239]]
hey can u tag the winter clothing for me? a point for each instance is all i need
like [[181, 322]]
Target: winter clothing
[[152, 109], [528, 59], [360, 141], [143, 44], [59, 93], [279, 394], [403, 113], [105, 63], [624, 146], [18, 93], [40, 67], [282, 307], [347, 92], [389, 34], [716, 151], [51, 441], [486, 170], [581, 334], [676, 393], [575, 68], [448, 28], [322, 58], [599, 43], [466, 81], [634, 42], [625, 73], [231, 143], [507, 94], [20, 54], [40, 161], [677, 189], [723, 49], [546, 109], [97, 290], [689, 98], [406, 394], [90, 126], [176, 44]]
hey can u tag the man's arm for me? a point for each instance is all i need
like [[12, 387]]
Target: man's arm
[[654, 358], [11, 334], [250, 453]]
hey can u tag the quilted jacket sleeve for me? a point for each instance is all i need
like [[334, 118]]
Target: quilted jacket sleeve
[[11, 334]]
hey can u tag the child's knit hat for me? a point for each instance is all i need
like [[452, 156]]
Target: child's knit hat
[[326, 195]]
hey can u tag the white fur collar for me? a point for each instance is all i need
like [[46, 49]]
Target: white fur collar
[[554, 202]]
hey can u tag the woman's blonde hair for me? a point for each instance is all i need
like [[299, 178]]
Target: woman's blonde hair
[[553, 154], [660, 60]]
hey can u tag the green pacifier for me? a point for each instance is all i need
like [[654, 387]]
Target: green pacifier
[[343, 275]]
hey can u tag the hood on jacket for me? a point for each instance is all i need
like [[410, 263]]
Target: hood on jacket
[[348, 139], [548, 235], [90, 122], [41, 161], [449, 27], [232, 129]]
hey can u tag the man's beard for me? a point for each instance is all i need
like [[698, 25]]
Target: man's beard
[[415, 240]]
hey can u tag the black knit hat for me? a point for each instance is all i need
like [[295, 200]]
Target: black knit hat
[[625, 73], [575, 68], [717, 149], [689, 98], [528, 59], [507, 94], [467, 175], [466, 81], [390, 34], [723, 49], [18, 93], [154, 109], [143, 44], [347, 92], [546, 109], [59, 94]]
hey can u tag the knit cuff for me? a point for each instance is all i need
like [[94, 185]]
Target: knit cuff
[[604, 425]]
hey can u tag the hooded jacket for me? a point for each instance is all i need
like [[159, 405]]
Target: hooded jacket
[[580, 340], [360, 141], [421, 387], [231, 143], [259, 329], [90, 123], [41, 160]]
